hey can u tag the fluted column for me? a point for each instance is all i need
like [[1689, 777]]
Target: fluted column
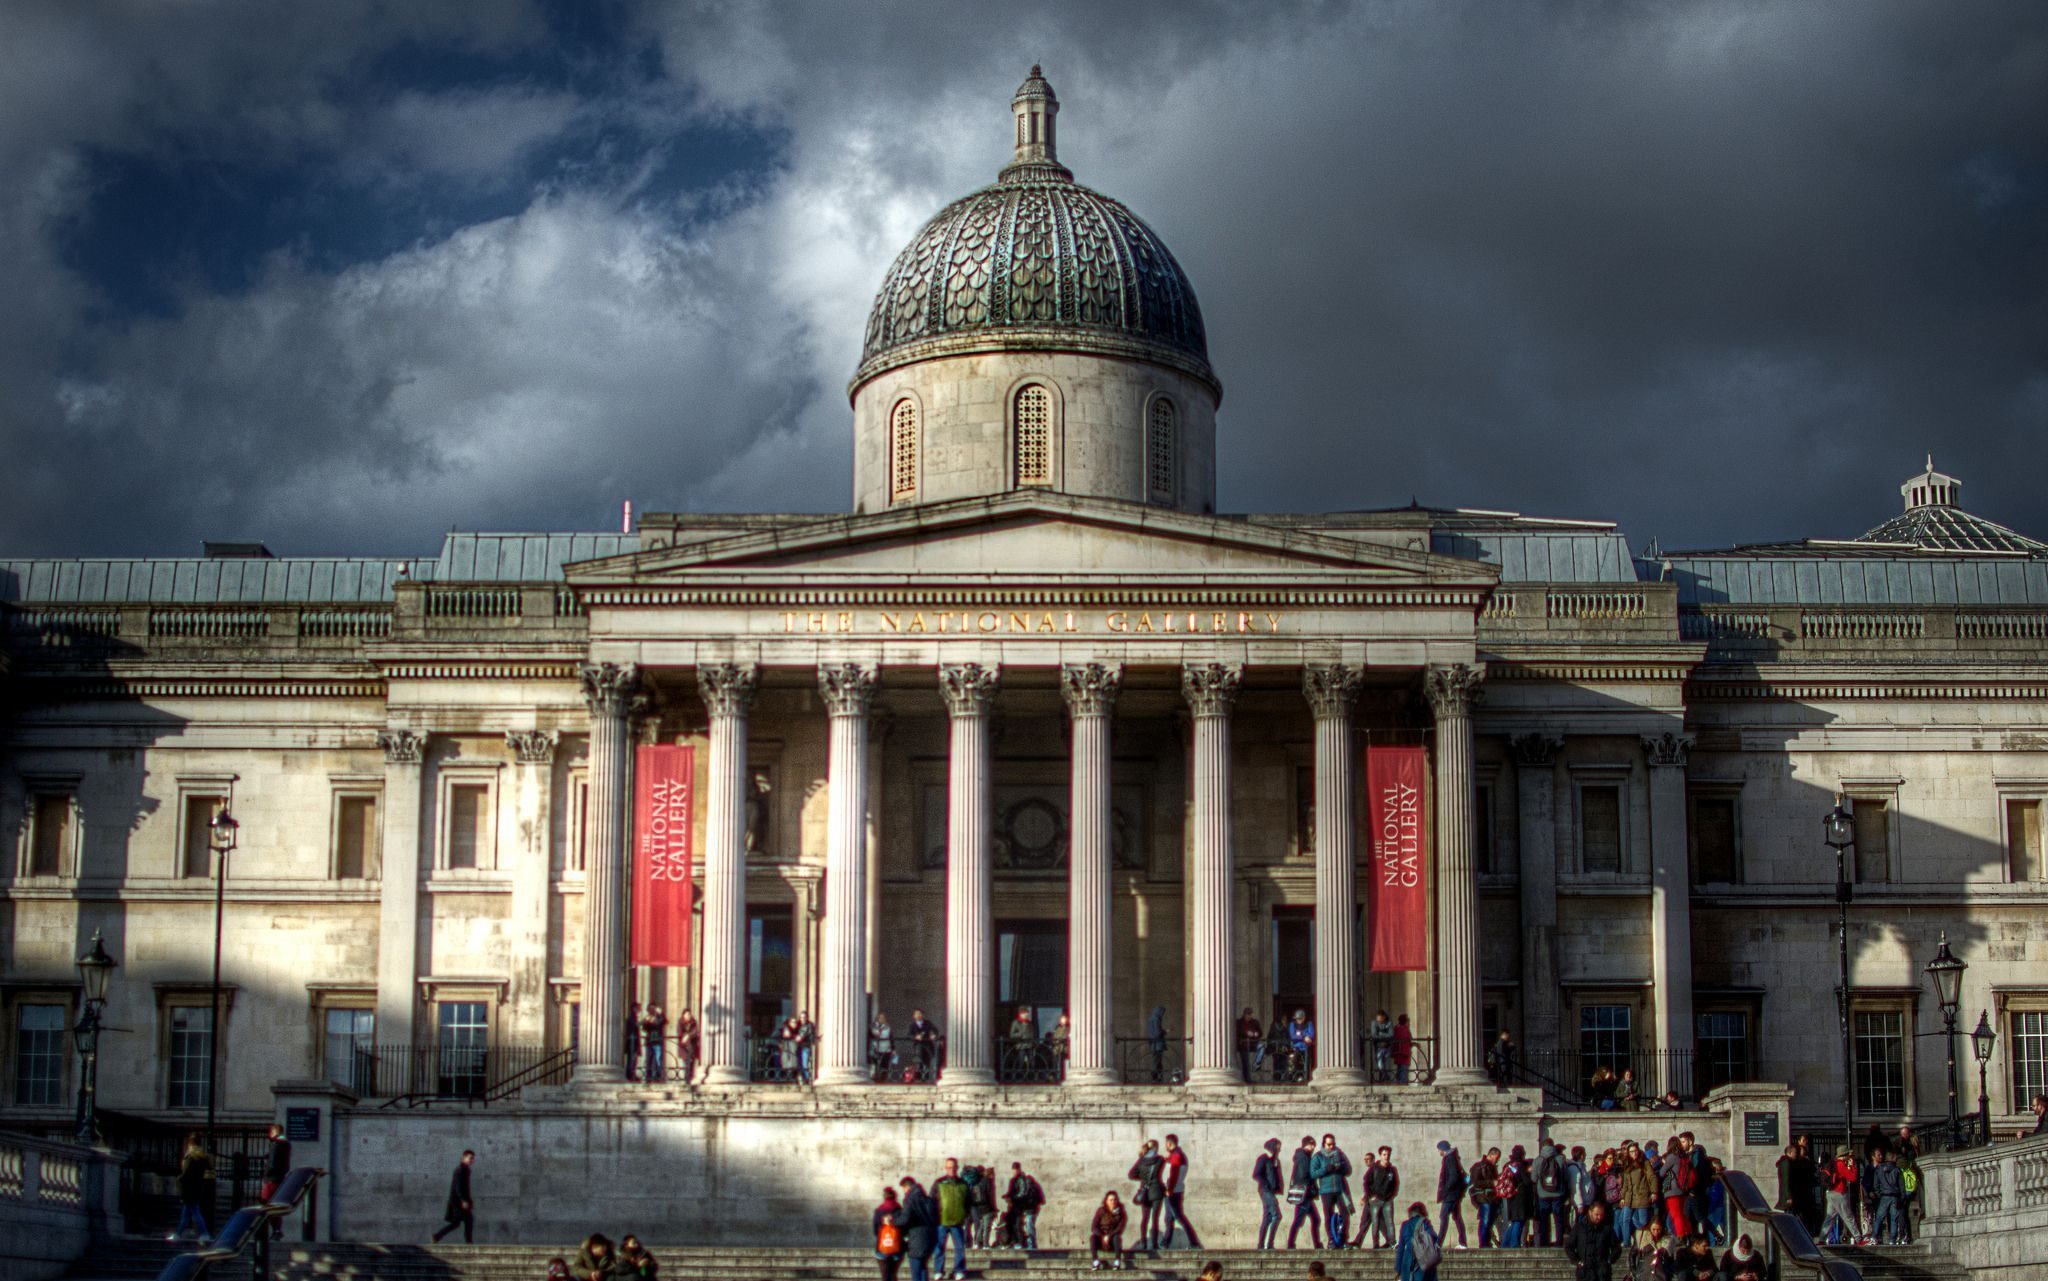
[[612, 691], [1331, 692], [728, 693], [1211, 691], [1537, 829], [849, 692], [1090, 690], [1451, 691], [970, 691], [398, 906]]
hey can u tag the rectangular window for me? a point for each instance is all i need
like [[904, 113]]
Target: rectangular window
[[1484, 854], [771, 968], [1605, 1038], [348, 1049], [1880, 1057], [579, 805], [1293, 961], [196, 859], [2026, 1048], [357, 846], [468, 826], [1723, 1046], [1031, 969], [39, 1055], [1713, 841], [1600, 829], [191, 1044], [2023, 840], [49, 833], [1873, 841], [465, 1036]]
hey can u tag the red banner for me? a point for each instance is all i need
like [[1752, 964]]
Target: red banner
[[664, 787], [1397, 889]]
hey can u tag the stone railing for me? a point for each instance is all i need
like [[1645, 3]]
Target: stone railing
[[1988, 1207], [1752, 631], [1860, 625], [2011, 626], [55, 1198], [1637, 611], [209, 624], [1594, 606]]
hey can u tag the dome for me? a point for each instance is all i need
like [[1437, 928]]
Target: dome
[[1036, 262]]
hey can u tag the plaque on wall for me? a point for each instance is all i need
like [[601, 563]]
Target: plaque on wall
[[302, 1125], [1760, 1129]]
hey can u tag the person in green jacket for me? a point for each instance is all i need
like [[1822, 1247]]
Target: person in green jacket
[[955, 1204]]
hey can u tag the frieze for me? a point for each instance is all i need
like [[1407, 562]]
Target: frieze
[[1057, 599], [990, 622]]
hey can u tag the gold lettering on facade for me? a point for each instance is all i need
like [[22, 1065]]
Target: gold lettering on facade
[[1070, 624], [988, 622], [1025, 622], [1020, 622], [1273, 623], [1116, 622], [892, 622], [815, 623], [1045, 622]]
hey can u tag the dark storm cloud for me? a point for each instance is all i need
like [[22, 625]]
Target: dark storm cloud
[[1719, 271]]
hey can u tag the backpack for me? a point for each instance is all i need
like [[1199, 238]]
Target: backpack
[[1424, 1247], [1504, 1183], [1911, 1178], [1548, 1181], [1688, 1174], [889, 1240]]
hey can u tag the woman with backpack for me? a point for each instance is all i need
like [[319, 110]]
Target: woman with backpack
[[1418, 1251], [1149, 1173], [888, 1230]]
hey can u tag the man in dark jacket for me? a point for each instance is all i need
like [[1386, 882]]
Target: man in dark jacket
[[1888, 1194], [461, 1211], [1592, 1245], [1382, 1185], [1301, 1189], [1550, 1194], [1025, 1199], [1266, 1178], [275, 1167], [920, 1224], [1450, 1193]]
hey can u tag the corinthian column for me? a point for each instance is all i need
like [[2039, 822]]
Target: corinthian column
[[1090, 690], [1331, 691], [970, 691], [849, 693], [728, 691], [1211, 691], [612, 691], [1451, 691]]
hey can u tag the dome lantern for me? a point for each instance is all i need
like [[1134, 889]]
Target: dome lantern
[[1036, 109]]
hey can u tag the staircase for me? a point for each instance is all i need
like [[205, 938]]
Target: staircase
[[141, 1258]]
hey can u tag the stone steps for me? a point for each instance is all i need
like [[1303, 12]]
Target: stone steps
[[141, 1258]]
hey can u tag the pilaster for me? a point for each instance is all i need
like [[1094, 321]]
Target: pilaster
[[398, 907], [1535, 788]]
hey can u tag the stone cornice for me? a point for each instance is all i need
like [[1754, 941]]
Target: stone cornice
[[1851, 689], [457, 670], [909, 591], [43, 688]]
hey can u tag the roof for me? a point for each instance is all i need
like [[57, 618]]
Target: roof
[[1765, 577], [1952, 529]]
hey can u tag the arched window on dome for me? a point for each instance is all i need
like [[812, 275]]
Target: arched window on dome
[[1162, 451], [903, 451], [1032, 431]]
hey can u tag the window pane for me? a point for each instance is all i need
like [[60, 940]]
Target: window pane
[[1880, 1061], [466, 825], [2027, 1051], [191, 1039], [39, 1055], [1713, 834], [465, 1038], [1604, 1038], [1600, 828], [198, 852], [52, 835], [1723, 1047], [351, 1034], [356, 853], [1873, 841], [2023, 839]]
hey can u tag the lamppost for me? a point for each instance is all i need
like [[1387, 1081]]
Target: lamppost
[[1838, 829], [1946, 969], [222, 838], [1981, 1041], [95, 968]]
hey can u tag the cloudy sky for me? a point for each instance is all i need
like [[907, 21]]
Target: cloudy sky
[[340, 275]]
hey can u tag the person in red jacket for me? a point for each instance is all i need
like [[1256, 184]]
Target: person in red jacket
[[1839, 1228]]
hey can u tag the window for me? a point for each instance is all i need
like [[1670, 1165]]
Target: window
[[2023, 841], [1873, 840], [358, 842], [1880, 1059], [1723, 1047], [196, 856], [1714, 860], [49, 838], [2026, 1048], [191, 1042], [1606, 1039], [579, 806], [39, 1055], [1162, 451], [1031, 969], [1034, 436], [1484, 853], [468, 826], [771, 967], [347, 1049], [1600, 829], [903, 449], [465, 1036]]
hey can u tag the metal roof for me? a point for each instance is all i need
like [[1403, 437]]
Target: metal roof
[[1540, 556], [1903, 578], [1945, 528]]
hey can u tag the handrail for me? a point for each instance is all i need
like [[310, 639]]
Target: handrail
[[248, 1226], [1786, 1239], [531, 1073]]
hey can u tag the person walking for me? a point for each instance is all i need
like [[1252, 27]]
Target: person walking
[[887, 1225], [1026, 1198], [1838, 1226], [1581, 1189], [1451, 1181], [1519, 1207], [461, 1209], [1638, 1192], [1419, 1250], [1301, 1194], [1331, 1170], [981, 1187], [1149, 1173], [1106, 1235], [1176, 1186], [195, 1182], [1500, 1059], [1592, 1246], [951, 1193], [1266, 1178], [276, 1165], [1382, 1185], [919, 1220]]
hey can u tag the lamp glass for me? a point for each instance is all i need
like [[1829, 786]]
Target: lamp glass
[[1946, 969], [95, 968], [224, 829], [1983, 1039], [1839, 827]]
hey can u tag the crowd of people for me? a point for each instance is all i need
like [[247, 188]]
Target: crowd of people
[[918, 1226], [1869, 1196]]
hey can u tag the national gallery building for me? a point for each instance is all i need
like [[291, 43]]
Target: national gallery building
[[1032, 726]]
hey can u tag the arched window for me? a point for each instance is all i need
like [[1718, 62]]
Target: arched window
[[903, 445], [1034, 435], [1162, 451]]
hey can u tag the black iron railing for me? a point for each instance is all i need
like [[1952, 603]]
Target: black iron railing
[[411, 1075], [1145, 1061], [1028, 1062], [1632, 1080]]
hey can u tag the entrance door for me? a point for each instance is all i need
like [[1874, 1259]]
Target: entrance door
[[1294, 962], [771, 969], [1031, 970]]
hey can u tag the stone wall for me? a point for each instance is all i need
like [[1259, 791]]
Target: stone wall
[[1988, 1208], [54, 1199]]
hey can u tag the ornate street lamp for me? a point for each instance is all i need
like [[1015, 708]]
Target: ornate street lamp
[[1838, 829], [222, 838], [1981, 1042], [1946, 971], [95, 968]]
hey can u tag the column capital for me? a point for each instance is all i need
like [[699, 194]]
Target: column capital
[[848, 688], [612, 689], [727, 688], [1536, 750], [533, 746], [1331, 688], [1452, 688], [1091, 688], [1667, 750], [1211, 688], [969, 688], [401, 746]]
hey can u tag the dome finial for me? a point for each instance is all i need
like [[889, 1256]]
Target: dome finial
[[1035, 109]]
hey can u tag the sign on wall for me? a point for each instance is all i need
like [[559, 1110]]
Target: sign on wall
[[1397, 891], [664, 782]]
